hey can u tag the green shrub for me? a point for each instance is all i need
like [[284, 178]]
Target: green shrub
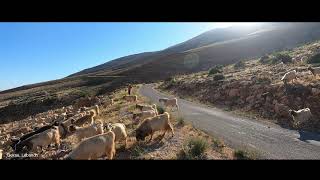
[[160, 110], [264, 59], [218, 144], [314, 59], [215, 69], [180, 121], [218, 77], [137, 150], [170, 79], [285, 58], [245, 155], [281, 57], [194, 149], [81, 93], [239, 64]]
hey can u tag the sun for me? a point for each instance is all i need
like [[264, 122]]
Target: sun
[[234, 24]]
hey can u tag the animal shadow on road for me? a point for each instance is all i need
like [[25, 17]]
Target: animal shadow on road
[[307, 136]]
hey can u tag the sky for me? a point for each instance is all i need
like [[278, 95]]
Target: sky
[[37, 52]]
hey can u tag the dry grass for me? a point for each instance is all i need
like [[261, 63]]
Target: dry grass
[[167, 148]]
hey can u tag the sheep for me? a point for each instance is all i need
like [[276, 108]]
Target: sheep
[[96, 110], [130, 98], [85, 132], [315, 71], [63, 130], [89, 118], [150, 125], [169, 102], [289, 76], [144, 115], [300, 116], [16, 143], [119, 130], [94, 147], [153, 107], [42, 139]]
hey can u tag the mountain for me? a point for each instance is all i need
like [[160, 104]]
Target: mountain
[[217, 46]]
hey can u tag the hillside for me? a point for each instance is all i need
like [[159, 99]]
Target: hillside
[[254, 87], [247, 81], [119, 112], [219, 46]]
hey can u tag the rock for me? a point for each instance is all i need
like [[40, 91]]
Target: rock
[[250, 99], [257, 105], [268, 99], [234, 93], [315, 91], [245, 83], [224, 86], [227, 103], [216, 96], [284, 100], [281, 110], [244, 92]]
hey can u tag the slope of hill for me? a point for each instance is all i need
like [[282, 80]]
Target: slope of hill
[[219, 46], [254, 87], [166, 148]]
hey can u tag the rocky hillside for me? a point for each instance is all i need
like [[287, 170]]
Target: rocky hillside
[[188, 142], [254, 86]]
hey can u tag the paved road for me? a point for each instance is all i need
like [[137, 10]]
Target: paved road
[[271, 141]]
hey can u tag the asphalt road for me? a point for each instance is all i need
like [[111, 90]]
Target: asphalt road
[[269, 140]]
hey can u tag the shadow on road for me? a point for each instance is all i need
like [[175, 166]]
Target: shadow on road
[[307, 136]]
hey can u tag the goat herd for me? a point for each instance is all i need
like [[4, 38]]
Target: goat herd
[[95, 139], [305, 114]]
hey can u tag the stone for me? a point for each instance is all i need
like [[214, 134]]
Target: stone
[[281, 110], [315, 91], [250, 99], [234, 93]]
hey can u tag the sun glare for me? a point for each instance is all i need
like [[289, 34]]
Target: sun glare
[[238, 24]]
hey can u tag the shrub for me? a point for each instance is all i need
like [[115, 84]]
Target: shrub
[[314, 59], [281, 57], [218, 77], [264, 59], [285, 58], [245, 155], [180, 121], [215, 69], [218, 144], [239, 64], [137, 151], [263, 80], [194, 149], [81, 93], [170, 79], [160, 110]]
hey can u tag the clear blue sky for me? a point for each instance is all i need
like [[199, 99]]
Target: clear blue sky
[[36, 52]]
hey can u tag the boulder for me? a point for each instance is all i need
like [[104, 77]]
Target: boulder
[[315, 91], [250, 99], [281, 110], [234, 93]]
